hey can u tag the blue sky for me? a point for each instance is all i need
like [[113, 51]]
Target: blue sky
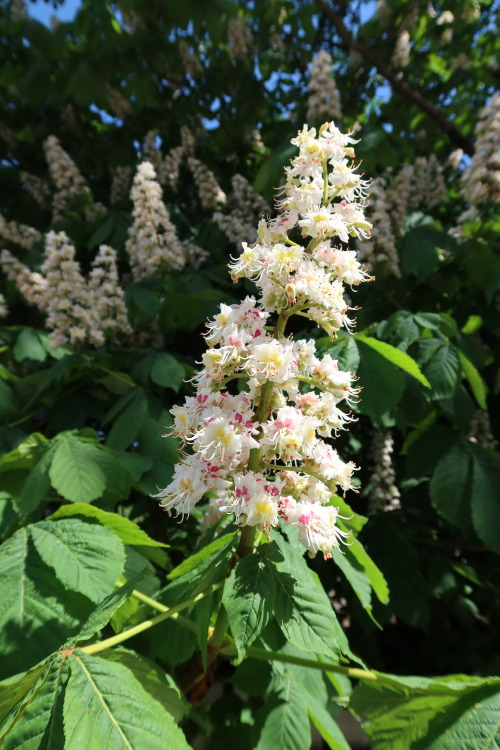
[[43, 11]]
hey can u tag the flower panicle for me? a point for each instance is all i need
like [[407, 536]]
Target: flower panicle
[[263, 449]]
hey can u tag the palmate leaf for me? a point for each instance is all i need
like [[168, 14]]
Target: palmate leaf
[[396, 356], [154, 680], [443, 370], [476, 382], [382, 382], [303, 610], [326, 725], [105, 706], [86, 558], [485, 505], [472, 722], [248, 598], [37, 486], [14, 689], [408, 713], [450, 484], [49, 574], [36, 723], [362, 573], [285, 721], [37, 613], [75, 473], [123, 527]]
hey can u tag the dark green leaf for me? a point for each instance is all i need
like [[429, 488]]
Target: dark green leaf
[[118, 712], [450, 485]]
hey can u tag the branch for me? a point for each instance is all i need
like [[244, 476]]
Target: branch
[[398, 84]]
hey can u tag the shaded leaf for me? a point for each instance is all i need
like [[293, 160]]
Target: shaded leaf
[[118, 711], [74, 473]]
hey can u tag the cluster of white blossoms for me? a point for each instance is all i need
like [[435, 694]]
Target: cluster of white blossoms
[[410, 189], [118, 105], [384, 493], [480, 431], [120, 184], [324, 100], [152, 245], [19, 10], [77, 310], [381, 251], [20, 234], [239, 39], [68, 180], [244, 208], [402, 49], [4, 311], [190, 60], [481, 179], [265, 449], [37, 187], [209, 190]]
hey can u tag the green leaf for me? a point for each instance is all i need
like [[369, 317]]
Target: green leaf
[[74, 473], [105, 706], [36, 722], [123, 527], [450, 485], [167, 371], [85, 557], [285, 721], [127, 425], [14, 689], [485, 505], [29, 346], [37, 613], [303, 610], [326, 725], [103, 613], [443, 370], [477, 384], [471, 722], [102, 232], [37, 486], [396, 356], [381, 381], [202, 615], [400, 712], [420, 247], [212, 550], [154, 680], [248, 598], [361, 572]]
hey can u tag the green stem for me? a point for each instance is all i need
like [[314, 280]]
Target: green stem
[[219, 632], [325, 183], [95, 648], [154, 604], [260, 653], [247, 539], [300, 469]]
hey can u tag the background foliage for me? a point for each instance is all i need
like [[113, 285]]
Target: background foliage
[[418, 592]]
